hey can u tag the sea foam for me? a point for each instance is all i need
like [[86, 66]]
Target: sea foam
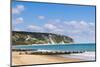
[[86, 56]]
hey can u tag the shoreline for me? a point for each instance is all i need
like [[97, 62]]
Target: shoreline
[[39, 59], [53, 44]]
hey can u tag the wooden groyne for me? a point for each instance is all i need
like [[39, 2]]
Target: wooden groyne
[[44, 52]]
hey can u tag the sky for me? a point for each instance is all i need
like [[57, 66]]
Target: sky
[[75, 21]]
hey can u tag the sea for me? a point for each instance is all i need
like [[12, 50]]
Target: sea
[[88, 48]]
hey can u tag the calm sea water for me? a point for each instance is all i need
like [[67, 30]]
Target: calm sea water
[[61, 47]]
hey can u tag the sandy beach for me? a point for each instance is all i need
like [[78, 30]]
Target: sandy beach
[[25, 59]]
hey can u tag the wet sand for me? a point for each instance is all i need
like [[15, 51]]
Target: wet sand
[[25, 59]]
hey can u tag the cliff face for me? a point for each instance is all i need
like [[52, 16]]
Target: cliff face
[[25, 38]]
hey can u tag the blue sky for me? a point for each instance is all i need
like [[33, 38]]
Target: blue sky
[[75, 21]]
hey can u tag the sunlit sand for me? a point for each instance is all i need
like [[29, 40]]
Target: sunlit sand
[[25, 59]]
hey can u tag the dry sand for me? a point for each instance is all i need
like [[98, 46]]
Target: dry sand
[[38, 59]]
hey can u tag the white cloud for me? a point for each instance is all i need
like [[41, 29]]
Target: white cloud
[[83, 23], [50, 26], [19, 20], [79, 26], [18, 9], [34, 28], [53, 28], [41, 17], [92, 24], [76, 24], [15, 11], [81, 30]]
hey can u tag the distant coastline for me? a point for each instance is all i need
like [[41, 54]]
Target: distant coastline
[[27, 38]]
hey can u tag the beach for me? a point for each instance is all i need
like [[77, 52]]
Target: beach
[[44, 54], [25, 59]]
